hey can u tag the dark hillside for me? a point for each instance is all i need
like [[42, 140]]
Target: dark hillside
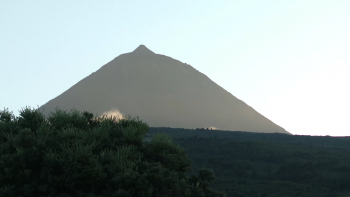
[[258, 164]]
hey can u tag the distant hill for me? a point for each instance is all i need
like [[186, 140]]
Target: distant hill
[[162, 91]]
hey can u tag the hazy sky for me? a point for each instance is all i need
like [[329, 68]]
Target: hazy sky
[[289, 60]]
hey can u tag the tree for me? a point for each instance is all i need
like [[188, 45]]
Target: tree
[[74, 154]]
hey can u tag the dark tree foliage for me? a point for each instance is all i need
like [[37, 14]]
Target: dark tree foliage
[[74, 154]]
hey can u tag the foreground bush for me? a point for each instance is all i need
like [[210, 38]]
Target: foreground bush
[[74, 154]]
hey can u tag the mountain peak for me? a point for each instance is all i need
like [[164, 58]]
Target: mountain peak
[[142, 49], [162, 91]]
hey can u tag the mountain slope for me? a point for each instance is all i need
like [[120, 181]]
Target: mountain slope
[[163, 92]]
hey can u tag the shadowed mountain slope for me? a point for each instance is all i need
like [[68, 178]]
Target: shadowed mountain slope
[[162, 91]]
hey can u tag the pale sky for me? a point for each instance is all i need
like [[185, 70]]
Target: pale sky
[[289, 60]]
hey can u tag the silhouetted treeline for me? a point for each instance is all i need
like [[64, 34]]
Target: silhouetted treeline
[[204, 129], [260, 164]]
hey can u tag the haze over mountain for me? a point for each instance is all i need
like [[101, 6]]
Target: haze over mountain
[[163, 92]]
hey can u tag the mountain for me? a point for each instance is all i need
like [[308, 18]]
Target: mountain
[[162, 91]]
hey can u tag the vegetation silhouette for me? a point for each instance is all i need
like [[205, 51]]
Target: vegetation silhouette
[[268, 164], [74, 154]]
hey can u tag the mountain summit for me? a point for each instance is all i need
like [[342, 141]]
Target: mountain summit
[[142, 49], [163, 92]]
